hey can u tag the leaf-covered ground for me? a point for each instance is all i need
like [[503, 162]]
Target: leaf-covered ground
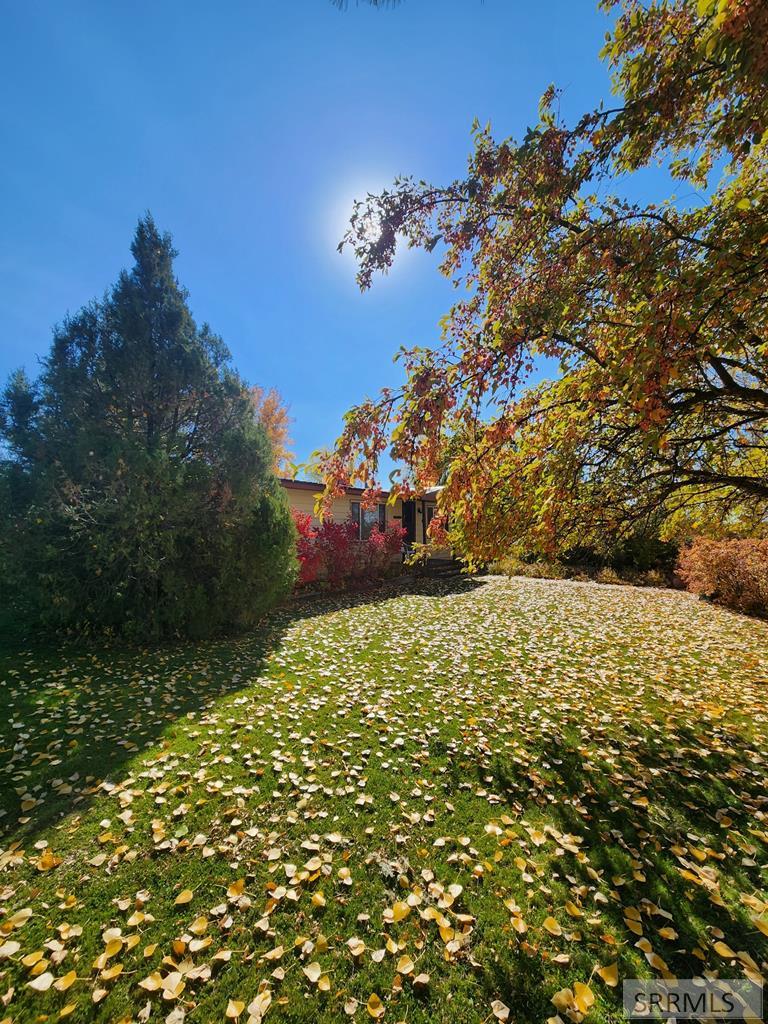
[[491, 799]]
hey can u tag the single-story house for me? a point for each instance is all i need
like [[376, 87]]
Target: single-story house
[[414, 515]]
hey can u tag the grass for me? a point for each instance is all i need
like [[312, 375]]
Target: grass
[[499, 786]]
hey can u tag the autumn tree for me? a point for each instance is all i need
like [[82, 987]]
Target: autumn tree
[[272, 413], [656, 313], [136, 489]]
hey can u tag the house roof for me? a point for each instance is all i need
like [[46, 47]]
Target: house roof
[[316, 488], [430, 494]]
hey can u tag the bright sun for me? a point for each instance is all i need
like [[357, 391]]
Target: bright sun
[[339, 212], [342, 206]]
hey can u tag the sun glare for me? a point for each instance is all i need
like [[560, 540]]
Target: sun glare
[[339, 213]]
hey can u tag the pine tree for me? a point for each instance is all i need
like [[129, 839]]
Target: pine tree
[[138, 493]]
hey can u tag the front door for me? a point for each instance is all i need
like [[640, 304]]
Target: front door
[[409, 521]]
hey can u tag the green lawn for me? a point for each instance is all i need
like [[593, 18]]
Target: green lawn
[[475, 791]]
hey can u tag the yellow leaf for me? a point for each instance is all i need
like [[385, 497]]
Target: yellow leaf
[[173, 985], [152, 983], [609, 974], [47, 861], [274, 954], [563, 1000], [400, 911], [582, 996], [656, 962], [61, 984], [724, 950], [552, 926], [234, 1008], [375, 1006], [404, 965], [313, 971], [185, 896], [259, 1005], [20, 917]]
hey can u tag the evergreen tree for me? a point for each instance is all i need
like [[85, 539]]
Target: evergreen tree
[[138, 493]]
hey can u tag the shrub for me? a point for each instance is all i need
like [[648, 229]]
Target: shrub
[[640, 560], [138, 495], [538, 569], [381, 550], [309, 555], [581, 572], [338, 547], [332, 553], [733, 573], [643, 553]]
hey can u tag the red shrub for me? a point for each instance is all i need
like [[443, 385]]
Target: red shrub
[[333, 553], [380, 550], [337, 544], [732, 572], [310, 557]]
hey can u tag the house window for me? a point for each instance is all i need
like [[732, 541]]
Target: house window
[[367, 518], [431, 513]]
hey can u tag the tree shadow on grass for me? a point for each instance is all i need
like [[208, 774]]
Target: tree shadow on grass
[[73, 715], [416, 585], [448, 586], [689, 852]]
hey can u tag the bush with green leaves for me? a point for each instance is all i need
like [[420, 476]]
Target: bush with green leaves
[[137, 494], [641, 559]]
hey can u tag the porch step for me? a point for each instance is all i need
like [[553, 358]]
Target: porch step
[[441, 567]]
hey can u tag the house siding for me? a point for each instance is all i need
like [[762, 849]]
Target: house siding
[[301, 498]]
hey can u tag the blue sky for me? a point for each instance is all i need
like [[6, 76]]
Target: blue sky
[[247, 128]]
